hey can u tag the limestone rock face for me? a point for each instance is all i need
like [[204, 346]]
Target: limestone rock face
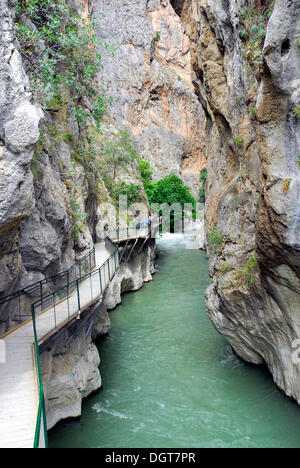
[[70, 371], [131, 276], [149, 76], [19, 120], [22, 129], [36, 238], [253, 189]]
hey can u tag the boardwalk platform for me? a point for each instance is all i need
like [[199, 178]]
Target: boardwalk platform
[[19, 396]]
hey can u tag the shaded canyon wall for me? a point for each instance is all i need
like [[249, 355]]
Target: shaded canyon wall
[[249, 94]]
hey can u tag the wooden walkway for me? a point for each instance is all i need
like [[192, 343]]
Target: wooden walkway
[[19, 396]]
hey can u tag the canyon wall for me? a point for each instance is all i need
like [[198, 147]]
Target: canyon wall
[[36, 232], [53, 198], [149, 77], [19, 130], [246, 57]]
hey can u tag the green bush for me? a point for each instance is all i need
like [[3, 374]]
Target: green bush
[[157, 36], [171, 190], [296, 111], [132, 191], [146, 172], [239, 142], [245, 275], [215, 240]]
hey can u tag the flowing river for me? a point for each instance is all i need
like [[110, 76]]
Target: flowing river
[[171, 381]]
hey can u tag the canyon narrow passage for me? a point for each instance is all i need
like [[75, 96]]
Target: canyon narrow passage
[[170, 380]]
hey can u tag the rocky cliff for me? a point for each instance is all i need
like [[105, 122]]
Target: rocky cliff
[[149, 76], [19, 130], [54, 189], [35, 226], [246, 58]]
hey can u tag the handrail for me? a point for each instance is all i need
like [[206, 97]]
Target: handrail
[[17, 304], [99, 281], [28, 288], [131, 232]]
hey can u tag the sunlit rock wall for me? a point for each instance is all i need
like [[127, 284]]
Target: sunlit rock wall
[[147, 71]]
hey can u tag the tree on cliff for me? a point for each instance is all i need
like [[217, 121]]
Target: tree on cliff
[[171, 191]]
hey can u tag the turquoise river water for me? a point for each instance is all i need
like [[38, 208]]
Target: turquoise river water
[[171, 381]]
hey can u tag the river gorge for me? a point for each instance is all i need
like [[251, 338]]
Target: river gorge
[[113, 114], [170, 380]]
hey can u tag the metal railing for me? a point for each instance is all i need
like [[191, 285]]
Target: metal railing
[[69, 300], [78, 296], [16, 307], [141, 231]]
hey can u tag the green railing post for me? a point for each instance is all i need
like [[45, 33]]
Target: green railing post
[[42, 409], [54, 310], [78, 295], [68, 300]]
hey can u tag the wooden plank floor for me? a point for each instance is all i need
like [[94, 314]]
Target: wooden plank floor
[[18, 383]]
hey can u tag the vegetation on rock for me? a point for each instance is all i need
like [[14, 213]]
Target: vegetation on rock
[[245, 275], [203, 178], [215, 240], [254, 33], [131, 191], [296, 111], [58, 47]]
